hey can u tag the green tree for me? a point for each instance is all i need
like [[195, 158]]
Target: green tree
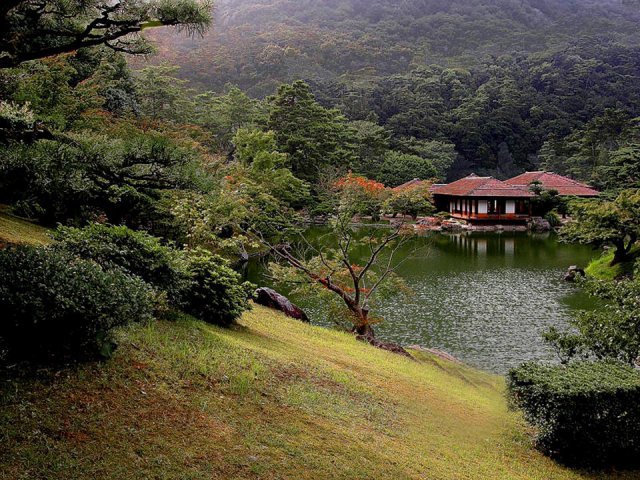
[[257, 152], [545, 201], [601, 222], [610, 332], [439, 153], [163, 96], [314, 137], [372, 143], [411, 200], [224, 114], [399, 168], [30, 29]]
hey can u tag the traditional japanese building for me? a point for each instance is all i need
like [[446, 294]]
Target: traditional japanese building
[[552, 181], [489, 200]]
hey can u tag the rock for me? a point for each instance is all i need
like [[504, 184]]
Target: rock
[[452, 225], [430, 221], [572, 273], [272, 299], [539, 225]]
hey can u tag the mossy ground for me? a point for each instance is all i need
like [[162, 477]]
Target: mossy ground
[[601, 268], [270, 398], [15, 230]]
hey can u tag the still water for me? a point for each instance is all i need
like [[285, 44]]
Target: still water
[[483, 297]]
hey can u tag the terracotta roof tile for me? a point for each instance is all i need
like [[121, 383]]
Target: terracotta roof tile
[[553, 181], [474, 186]]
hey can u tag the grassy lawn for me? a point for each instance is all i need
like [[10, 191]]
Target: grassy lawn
[[14, 230], [271, 398], [601, 268]]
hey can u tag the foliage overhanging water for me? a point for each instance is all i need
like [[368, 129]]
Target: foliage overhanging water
[[485, 298]]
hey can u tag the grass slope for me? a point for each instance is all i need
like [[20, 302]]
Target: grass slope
[[14, 230], [272, 398], [601, 268]]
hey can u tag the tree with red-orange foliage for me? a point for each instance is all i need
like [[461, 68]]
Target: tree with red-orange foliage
[[365, 196]]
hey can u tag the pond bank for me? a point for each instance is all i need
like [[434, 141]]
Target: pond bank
[[485, 298]]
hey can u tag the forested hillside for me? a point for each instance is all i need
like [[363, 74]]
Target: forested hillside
[[259, 44], [495, 79]]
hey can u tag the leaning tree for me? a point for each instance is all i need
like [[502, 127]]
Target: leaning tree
[[34, 29], [350, 266], [606, 223]]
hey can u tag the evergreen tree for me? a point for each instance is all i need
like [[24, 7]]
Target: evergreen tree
[[312, 135], [32, 29]]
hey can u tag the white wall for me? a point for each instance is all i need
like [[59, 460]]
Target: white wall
[[482, 206], [511, 206]]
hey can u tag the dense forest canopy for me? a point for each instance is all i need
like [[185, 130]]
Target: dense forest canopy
[[502, 81], [255, 42]]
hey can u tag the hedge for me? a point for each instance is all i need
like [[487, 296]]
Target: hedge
[[586, 413], [135, 252], [55, 305]]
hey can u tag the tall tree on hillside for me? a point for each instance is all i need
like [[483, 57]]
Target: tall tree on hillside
[[313, 136], [33, 29], [163, 96]]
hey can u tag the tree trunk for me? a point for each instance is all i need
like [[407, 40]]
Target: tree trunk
[[621, 253], [364, 330]]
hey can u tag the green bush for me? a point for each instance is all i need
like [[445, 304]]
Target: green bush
[[554, 219], [197, 282], [135, 252], [586, 413], [215, 293], [54, 304]]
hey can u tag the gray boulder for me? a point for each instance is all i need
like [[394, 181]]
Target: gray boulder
[[539, 225], [272, 299]]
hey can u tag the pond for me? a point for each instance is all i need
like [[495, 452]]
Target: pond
[[483, 297]]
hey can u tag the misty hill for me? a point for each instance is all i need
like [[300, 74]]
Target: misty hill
[[495, 79], [258, 44]]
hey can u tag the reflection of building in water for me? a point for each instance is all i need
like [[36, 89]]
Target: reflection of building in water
[[481, 246], [509, 247], [469, 245]]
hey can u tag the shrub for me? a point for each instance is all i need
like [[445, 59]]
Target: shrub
[[56, 305], [215, 293], [412, 200], [554, 219], [135, 252], [612, 331], [586, 413]]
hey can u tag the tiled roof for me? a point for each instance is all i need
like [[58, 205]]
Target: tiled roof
[[553, 181], [474, 186], [410, 183]]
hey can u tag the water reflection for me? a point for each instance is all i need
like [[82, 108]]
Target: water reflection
[[484, 298]]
